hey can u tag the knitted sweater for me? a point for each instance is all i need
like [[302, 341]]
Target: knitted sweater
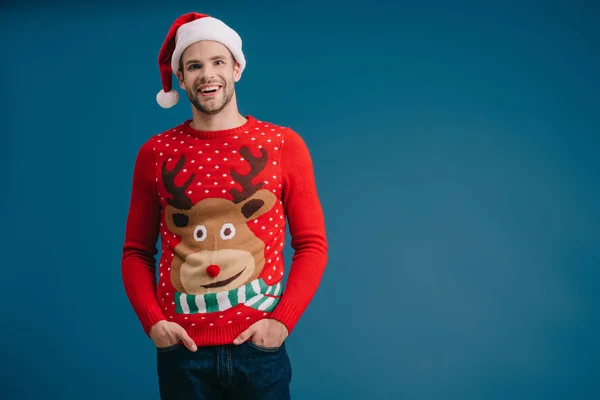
[[219, 200]]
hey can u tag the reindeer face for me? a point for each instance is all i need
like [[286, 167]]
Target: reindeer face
[[218, 251]]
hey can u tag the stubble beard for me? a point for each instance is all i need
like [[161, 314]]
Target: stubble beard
[[193, 95]]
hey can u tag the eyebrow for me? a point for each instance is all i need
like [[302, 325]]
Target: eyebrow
[[217, 57]]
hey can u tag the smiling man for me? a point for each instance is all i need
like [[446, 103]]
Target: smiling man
[[219, 189]]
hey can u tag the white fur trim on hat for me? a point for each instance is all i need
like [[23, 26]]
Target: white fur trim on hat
[[207, 28]]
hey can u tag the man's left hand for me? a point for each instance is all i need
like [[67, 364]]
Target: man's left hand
[[266, 333]]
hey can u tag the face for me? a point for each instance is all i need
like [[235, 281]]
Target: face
[[207, 74]]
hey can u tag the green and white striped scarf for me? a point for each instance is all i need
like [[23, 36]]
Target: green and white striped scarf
[[253, 294]]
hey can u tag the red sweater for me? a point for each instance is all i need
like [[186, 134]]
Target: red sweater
[[219, 200]]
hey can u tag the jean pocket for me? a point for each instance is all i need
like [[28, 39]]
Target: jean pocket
[[168, 348], [262, 348]]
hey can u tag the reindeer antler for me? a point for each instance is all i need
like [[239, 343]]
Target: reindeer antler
[[180, 199], [257, 164]]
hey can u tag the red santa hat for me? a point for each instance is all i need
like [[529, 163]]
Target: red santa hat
[[186, 30]]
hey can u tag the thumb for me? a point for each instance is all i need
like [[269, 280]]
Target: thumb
[[186, 339], [245, 335]]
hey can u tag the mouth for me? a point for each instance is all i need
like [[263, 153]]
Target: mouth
[[209, 90], [224, 282]]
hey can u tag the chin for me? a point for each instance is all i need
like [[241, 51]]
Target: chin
[[211, 111]]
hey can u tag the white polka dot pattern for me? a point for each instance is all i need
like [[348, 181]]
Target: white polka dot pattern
[[206, 173]]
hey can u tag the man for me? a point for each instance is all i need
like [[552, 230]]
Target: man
[[218, 188]]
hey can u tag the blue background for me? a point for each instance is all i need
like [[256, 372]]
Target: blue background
[[455, 147]]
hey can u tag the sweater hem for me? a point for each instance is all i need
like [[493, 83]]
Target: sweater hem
[[217, 336]]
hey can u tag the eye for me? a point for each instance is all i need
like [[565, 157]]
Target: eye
[[200, 233], [192, 66], [227, 231]]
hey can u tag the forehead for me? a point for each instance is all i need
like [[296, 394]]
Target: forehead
[[205, 50]]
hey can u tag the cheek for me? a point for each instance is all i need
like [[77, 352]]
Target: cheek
[[186, 81], [189, 79]]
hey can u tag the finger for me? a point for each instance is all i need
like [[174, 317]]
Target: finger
[[187, 340], [245, 335]]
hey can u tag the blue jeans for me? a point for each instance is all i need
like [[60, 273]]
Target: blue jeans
[[245, 371]]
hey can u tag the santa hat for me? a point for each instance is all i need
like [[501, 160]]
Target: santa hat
[[186, 30]]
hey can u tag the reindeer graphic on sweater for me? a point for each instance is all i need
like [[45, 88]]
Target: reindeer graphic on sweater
[[219, 259]]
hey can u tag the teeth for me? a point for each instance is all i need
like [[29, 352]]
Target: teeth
[[210, 89]]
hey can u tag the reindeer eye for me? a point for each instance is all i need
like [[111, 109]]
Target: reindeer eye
[[227, 231], [200, 233]]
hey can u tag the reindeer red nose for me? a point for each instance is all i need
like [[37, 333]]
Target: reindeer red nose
[[213, 270]]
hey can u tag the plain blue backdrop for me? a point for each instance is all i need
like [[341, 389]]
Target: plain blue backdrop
[[456, 154]]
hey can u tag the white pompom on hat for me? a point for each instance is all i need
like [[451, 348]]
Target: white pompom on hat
[[185, 31]]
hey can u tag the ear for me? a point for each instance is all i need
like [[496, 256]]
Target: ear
[[237, 72], [180, 79], [258, 204], [177, 220]]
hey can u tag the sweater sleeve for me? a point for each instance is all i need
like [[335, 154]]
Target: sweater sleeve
[[138, 265], [307, 230]]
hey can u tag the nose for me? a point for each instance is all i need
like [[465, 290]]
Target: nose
[[213, 270], [207, 72]]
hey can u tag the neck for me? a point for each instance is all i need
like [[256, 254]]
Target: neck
[[228, 118]]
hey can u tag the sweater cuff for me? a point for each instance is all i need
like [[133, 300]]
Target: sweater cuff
[[287, 313], [150, 317]]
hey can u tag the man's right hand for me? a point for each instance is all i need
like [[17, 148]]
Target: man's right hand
[[165, 334]]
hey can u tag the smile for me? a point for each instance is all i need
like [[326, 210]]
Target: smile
[[224, 282], [209, 90]]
